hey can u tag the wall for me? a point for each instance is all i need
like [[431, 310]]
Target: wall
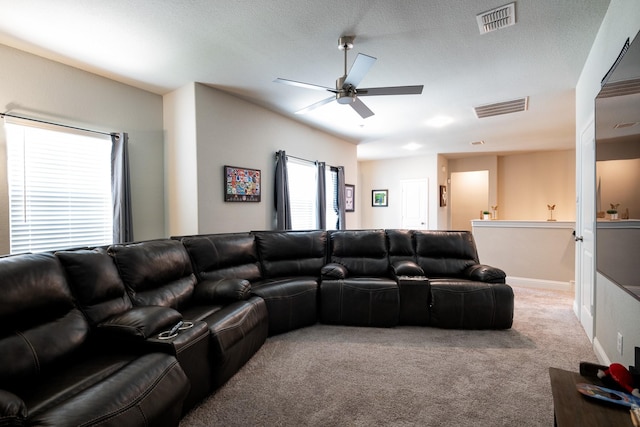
[[231, 131], [532, 253], [36, 87], [529, 182], [180, 151], [615, 310], [387, 174]]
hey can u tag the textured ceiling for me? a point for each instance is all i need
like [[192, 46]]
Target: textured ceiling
[[241, 46]]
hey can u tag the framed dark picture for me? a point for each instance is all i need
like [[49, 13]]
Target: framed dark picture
[[241, 184], [379, 198], [443, 195], [349, 198]]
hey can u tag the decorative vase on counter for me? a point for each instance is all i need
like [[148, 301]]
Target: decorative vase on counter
[[494, 212]]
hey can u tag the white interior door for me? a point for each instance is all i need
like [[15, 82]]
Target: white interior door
[[415, 204], [585, 223], [469, 196]]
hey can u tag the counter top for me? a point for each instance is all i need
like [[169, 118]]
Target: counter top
[[522, 224]]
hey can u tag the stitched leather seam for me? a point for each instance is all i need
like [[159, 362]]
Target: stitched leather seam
[[238, 323], [288, 296], [36, 362], [135, 404]]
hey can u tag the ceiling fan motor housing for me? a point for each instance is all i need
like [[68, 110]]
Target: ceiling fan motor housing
[[345, 94]]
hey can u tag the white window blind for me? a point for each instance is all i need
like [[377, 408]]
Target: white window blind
[[59, 189], [303, 190], [302, 194]]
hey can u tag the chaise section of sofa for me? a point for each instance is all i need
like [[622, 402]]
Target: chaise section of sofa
[[465, 294], [55, 371]]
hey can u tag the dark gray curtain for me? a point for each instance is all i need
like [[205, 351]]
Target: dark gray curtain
[[322, 196], [121, 189], [342, 225], [283, 206]]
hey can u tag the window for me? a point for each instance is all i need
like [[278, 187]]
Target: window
[[59, 189], [303, 195]]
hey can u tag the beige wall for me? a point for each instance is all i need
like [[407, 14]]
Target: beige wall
[[388, 174], [531, 253], [530, 182], [37, 87], [615, 310], [225, 130], [520, 184]]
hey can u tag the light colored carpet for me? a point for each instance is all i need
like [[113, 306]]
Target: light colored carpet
[[406, 376]]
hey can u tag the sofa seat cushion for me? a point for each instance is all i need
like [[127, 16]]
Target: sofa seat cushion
[[463, 304], [291, 302], [360, 301], [111, 390]]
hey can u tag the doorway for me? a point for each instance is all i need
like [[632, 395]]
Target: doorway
[[469, 196], [415, 204]]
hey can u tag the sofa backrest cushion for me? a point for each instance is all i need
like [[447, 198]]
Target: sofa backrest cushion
[[401, 246], [156, 272], [95, 283], [362, 252], [224, 256], [445, 253], [39, 323], [291, 253]]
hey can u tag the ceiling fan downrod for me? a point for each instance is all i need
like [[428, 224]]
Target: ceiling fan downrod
[[345, 95]]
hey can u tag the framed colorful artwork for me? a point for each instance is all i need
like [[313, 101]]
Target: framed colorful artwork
[[241, 184], [380, 198]]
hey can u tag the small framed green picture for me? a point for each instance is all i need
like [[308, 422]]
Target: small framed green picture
[[379, 198]]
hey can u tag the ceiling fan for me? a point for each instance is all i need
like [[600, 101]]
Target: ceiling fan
[[346, 90]]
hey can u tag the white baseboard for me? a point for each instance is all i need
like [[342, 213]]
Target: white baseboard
[[600, 353], [540, 283]]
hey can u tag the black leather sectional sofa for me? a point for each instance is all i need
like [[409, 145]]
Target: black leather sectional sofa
[[136, 334]]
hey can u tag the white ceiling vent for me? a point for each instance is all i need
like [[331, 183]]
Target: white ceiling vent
[[506, 107], [495, 19]]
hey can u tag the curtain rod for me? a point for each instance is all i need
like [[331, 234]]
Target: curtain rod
[[3, 115], [310, 161]]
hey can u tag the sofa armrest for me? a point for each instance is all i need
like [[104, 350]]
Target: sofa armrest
[[334, 271], [13, 410], [223, 290], [140, 323], [406, 268], [484, 273]]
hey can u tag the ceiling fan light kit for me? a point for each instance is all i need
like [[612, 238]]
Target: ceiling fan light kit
[[346, 91]]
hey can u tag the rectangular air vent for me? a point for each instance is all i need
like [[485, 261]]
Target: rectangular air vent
[[507, 107], [624, 87], [495, 19]]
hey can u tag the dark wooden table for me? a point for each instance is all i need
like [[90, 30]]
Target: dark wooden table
[[575, 410]]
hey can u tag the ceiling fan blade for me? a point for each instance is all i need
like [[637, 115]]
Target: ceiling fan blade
[[304, 85], [316, 105], [391, 90], [359, 68], [361, 109]]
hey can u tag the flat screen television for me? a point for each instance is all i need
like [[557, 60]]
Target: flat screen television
[[617, 120]]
